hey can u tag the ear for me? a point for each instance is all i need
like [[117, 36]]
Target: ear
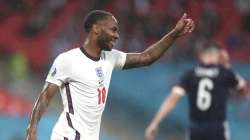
[[96, 29]]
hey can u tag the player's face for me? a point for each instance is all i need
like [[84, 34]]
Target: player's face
[[108, 34], [212, 57]]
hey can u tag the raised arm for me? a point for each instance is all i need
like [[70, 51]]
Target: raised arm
[[40, 107], [155, 51], [241, 87], [167, 106], [225, 61]]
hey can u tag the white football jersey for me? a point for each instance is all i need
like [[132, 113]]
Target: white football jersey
[[84, 84]]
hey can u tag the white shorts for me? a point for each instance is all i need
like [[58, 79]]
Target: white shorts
[[55, 136]]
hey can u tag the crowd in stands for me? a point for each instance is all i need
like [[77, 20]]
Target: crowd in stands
[[39, 27], [33, 32]]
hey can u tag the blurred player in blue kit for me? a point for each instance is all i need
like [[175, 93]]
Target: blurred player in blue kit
[[207, 87]]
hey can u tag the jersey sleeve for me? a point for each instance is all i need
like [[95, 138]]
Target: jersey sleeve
[[60, 71], [184, 81], [118, 58], [232, 79]]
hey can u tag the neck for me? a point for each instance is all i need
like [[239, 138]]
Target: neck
[[91, 47]]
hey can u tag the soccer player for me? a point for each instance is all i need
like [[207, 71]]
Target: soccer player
[[207, 86], [82, 76]]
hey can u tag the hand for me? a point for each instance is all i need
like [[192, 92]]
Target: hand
[[31, 134], [151, 131], [184, 26], [225, 59]]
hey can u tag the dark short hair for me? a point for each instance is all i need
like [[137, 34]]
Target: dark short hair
[[93, 17]]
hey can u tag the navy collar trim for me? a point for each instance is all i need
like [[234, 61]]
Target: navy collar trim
[[88, 55]]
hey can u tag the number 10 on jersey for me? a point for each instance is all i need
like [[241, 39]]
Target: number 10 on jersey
[[101, 95]]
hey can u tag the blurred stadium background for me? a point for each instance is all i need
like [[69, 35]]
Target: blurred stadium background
[[34, 32]]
